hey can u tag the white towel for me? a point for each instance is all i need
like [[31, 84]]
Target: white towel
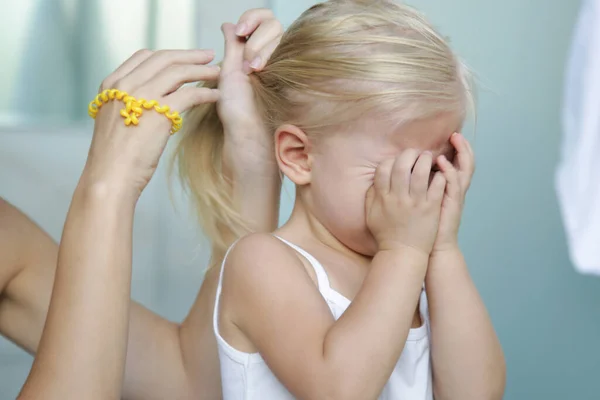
[[578, 174]]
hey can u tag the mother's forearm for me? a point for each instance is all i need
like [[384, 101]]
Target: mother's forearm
[[83, 347], [258, 199], [256, 185]]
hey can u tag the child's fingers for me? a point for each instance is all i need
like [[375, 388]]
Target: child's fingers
[[437, 187], [451, 174], [382, 181], [401, 172], [469, 147], [268, 32], [419, 178], [464, 157]]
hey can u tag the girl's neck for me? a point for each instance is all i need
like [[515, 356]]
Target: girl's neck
[[305, 230]]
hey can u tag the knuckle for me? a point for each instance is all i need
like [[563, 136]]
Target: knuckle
[[106, 84], [247, 13], [142, 52], [143, 95], [162, 54], [262, 13], [251, 48], [121, 85]]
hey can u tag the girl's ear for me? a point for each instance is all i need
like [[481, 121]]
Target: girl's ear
[[292, 149]]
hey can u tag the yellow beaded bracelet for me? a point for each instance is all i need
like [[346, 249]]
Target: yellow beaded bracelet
[[134, 108]]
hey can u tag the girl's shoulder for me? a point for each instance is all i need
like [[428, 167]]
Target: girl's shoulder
[[263, 275], [259, 254]]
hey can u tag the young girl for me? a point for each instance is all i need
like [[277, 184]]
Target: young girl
[[364, 99]]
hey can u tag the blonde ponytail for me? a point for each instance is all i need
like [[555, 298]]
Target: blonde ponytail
[[199, 161]]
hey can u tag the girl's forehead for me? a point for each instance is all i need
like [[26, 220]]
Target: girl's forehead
[[376, 135], [428, 134]]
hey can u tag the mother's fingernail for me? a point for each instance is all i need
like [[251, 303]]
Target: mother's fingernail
[[256, 62]]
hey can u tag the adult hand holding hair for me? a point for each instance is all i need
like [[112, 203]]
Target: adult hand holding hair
[[229, 139], [123, 158]]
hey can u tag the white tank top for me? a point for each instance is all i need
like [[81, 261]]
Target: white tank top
[[246, 376]]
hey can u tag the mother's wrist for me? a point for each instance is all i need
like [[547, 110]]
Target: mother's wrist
[[112, 189], [250, 161]]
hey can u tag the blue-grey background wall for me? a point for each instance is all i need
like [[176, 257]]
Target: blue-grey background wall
[[546, 315]]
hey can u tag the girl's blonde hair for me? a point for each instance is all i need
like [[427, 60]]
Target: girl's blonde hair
[[340, 60]]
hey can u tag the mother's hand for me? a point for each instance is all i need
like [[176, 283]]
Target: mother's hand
[[125, 157]]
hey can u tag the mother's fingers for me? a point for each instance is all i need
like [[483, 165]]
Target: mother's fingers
[[264, 55], [234, 50], [251, 19], [132, 62], [262, 42], [171, 79], [160, 61], [190, 96]]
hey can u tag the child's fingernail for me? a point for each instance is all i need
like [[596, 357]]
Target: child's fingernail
[[256, 62], [241, 29]]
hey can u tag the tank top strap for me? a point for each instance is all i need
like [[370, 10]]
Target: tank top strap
[[219, 288], [322, 279]]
